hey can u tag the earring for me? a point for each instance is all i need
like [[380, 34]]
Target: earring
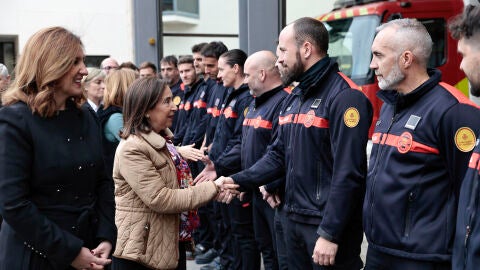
[[147, 116]]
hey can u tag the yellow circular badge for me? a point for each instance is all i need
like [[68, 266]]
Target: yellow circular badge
[[177, 100], [351, 117], [465, 139]]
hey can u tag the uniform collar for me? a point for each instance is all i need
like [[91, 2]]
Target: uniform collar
[[265, 96], [401, 101]]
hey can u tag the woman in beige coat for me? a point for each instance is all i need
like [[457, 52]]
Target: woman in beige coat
[[150, 181]]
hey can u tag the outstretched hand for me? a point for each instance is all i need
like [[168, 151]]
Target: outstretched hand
[[191, 153], [208, 173], [228, 189]]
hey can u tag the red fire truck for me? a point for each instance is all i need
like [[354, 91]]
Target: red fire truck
[[351, 25]]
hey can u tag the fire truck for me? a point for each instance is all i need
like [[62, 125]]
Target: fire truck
[[352, 23]]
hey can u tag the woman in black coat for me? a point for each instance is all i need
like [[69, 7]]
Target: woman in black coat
[[55, 198]]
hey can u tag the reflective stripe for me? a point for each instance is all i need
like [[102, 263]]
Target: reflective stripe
[[257, 122], [473, 161], [200, 104], [305, 119], [393, 140]]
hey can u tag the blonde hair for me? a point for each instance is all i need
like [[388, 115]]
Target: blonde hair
[[47, 56], [116, 85]]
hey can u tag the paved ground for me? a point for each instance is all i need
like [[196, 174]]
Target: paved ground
[[191, 265]]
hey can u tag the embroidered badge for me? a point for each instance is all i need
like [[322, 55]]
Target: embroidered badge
[[316, 103], [228, 112], [245, 112], [257, 122], [217, 101], [309, 119], [465, 139], [412, 122], [202, 94], [177, 100], [405, 142], [351, 117]]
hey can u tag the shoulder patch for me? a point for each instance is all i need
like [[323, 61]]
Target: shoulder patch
[[177, 100], [465, 139], [351, 117]]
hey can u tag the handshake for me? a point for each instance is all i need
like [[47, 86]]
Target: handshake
[[227, 190]]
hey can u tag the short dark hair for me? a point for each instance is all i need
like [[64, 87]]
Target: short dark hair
[[142, 95], [466, 24], [235, 56], [129, 65], [170, 59], [214, 49], [197, 48], [185, 59], [147, 64], [313, 31]]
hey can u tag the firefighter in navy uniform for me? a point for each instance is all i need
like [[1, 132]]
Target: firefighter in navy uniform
[[466, 248], [240, 249], [421, 146], [169, 72], [321, 147], [259, 131]]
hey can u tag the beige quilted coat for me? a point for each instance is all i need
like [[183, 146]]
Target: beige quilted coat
[[148, 201]]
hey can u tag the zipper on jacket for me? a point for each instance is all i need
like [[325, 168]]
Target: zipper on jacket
[[319, 180], [408, 216], [472, 205], [146, 231], [379, 157]]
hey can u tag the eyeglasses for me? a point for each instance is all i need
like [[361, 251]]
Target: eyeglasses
[[109, 68]]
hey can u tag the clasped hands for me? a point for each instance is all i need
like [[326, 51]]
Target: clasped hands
[[228, 189]]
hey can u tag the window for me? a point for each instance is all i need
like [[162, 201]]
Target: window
[[94, 60], [437, 30], [188, 8]]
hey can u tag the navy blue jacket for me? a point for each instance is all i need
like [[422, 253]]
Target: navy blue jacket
[[197, 121], [466, 248], [421, 146], [225, 150], [260, 130], [184, 110], [321, 146], [218, 93]]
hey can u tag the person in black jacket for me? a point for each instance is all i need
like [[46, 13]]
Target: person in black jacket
[[260, 126], [466, 247], [240, 250], [321, 150], [55, 197], [421, 146]]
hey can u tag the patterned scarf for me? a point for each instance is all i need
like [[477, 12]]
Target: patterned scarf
[[189, 220]]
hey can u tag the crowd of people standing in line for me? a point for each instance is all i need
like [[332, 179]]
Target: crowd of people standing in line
[[125, 167]]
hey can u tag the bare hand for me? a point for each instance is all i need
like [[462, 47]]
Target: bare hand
[[208, 173], [228, 189], [190, 152], [272, 199], [102, 250], [324, 252], [86, 260]]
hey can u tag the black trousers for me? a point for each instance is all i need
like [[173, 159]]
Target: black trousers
[[281, 243], [301, 239], [263, 224], [377, 260]]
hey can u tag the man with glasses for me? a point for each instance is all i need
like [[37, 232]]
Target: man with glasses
[[109, 64]]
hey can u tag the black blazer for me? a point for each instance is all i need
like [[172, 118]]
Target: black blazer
[[54, 194]]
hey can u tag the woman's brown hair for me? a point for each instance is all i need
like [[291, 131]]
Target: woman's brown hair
[[141, 97], [47, 56], [116, 85]]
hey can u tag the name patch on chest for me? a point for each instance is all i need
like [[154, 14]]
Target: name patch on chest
[[412, 122]]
